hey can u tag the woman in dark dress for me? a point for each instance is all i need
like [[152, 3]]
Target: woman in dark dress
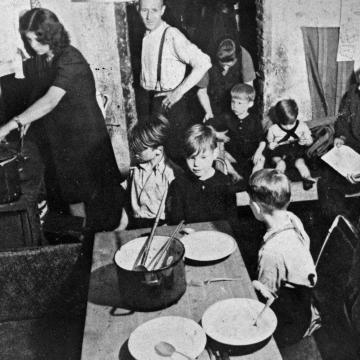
[[69, 127]]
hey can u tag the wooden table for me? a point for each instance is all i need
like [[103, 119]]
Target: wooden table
[[108, 327]]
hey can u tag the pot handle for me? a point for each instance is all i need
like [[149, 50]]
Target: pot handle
[[114, 313]]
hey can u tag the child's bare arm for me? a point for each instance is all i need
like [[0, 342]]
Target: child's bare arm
[[258, 153], [204, 101], [271, 139], [124, 220], [263, 290]]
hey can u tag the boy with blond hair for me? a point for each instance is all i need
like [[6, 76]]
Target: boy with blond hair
[[202, 193], [286, 270], [242, 127]]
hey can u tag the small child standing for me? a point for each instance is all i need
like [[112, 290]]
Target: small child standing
[[286, 270], [202, 193], [152, 173], [288, 140], [243, 129]]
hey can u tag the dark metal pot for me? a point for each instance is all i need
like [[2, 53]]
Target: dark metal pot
[[155, 289], [10, 188]]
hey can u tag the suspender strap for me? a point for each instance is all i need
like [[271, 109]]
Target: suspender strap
[[289, 133], [158, 74], [290, 227]]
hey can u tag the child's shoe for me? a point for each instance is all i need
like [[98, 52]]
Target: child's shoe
[[308, 183]]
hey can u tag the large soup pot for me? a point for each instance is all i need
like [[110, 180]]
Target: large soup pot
[[154, 289], [10, 189]]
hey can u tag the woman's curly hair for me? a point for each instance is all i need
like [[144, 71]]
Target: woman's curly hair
[[47, 27]]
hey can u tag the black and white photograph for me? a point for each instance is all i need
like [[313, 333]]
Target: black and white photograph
[[179, 179]]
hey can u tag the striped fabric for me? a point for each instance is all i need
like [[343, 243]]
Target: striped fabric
[[328, 79]]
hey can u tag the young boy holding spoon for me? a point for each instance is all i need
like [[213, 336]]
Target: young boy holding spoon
[[286, 270]]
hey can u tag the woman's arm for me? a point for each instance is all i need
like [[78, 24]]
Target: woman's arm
[[259, 151], [36, 111], [204, 101]]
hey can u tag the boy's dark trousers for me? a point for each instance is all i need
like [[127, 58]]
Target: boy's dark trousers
[[293, 311]]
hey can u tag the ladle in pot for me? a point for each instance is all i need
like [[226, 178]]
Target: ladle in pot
[[140, 261]]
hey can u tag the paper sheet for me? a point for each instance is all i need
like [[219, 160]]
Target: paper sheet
[[343, 159]]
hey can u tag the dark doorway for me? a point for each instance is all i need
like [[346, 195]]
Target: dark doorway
[[203, 22]]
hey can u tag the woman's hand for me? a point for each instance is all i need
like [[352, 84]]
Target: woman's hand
[[207, 117], [339, 142]]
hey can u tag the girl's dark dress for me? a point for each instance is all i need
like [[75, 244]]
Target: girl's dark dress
[[73, 138]]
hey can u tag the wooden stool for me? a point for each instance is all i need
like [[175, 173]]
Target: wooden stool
[[19, 224]]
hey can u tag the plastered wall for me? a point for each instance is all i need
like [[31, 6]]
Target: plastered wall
[[283, 58]]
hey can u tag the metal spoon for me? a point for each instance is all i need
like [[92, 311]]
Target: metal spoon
[[208, 281], [267, 305], [167, 350]]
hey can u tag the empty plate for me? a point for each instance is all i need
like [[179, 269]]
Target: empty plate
[[231, 322], [208, 245], [184, 334]]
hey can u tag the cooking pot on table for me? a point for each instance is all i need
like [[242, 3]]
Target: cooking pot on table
[[154, 289], [10, 188]]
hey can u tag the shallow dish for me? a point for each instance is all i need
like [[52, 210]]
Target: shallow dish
[[185, 334], [231, 322], [208, 245]]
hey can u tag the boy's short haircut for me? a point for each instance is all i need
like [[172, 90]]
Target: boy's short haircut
[[271, 189], [149, 134], [286, 111], [243, 90], [198, 138], [226, 51]]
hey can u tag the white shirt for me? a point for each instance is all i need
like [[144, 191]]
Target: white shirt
[[148, 185], [275, 133], [178, 51], [285, 256]]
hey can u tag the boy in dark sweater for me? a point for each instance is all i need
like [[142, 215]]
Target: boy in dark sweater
[[242, 128], [202, 193]]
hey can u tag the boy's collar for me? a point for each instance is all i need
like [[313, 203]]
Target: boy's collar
[[243, 117], [147, 166]]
